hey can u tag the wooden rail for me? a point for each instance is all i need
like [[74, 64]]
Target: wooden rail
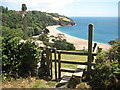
[[73, 62], [74, 52]]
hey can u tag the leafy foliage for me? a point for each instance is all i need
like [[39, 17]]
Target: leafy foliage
[[11, 33], [29, 55], [10, 51], [19, 59], [106, 74]]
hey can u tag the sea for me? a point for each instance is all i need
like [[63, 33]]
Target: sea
[[105, 28]]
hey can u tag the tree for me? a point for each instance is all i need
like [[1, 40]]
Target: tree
[[112, 42], [11, 33], [44, 37], [60, 44], [70, 46], [46, 31]]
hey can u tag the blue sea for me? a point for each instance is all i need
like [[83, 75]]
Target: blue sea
[[105, 28]]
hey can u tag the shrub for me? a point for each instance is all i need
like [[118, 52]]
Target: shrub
[[106, 74], [63, 45], [10, 52], [29, 54], [19, 59]]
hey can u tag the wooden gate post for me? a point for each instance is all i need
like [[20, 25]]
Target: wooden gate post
[[51, 63], [55, 63], [24, 20], [90, 39], [59, 65], [48, 62]]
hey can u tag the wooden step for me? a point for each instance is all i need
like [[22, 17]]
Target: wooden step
[[79, 71], [67, 70], [65, 79], [77, 76]]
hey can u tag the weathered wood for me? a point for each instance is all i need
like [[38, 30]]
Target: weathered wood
[[65, 79], [90, 38], [51, 64], [73, 62], [55, 65], [67, 70], [24, 20], [59, 65], [94, 47], [48, 62], [79, 71], [74, 52], [99, 50], [77, 76]]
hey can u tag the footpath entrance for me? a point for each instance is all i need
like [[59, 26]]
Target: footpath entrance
[[53, 56]]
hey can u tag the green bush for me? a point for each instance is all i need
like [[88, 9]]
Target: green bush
[[10, 62], [19, 59], [29, 54], [106, 74], [63, 45]]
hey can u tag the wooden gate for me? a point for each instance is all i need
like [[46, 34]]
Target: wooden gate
[[57, 57]]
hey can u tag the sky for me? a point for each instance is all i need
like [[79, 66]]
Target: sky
[[95, 8]]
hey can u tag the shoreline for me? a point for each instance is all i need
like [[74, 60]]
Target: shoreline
[[79, 44]]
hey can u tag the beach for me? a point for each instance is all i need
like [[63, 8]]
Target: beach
[[79, 44]]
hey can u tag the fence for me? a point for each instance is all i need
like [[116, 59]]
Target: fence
[[57, 57]]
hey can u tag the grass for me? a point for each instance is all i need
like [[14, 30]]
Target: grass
[[19, 83], [68, 57], [40, 84], [77, 58], [30, 82]]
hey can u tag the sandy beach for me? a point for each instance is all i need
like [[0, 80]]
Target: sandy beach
[[78, 43]]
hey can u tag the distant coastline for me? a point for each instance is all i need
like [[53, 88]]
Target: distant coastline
[[105, 28], [78, 43]]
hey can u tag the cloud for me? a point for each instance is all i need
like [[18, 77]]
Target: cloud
[[96, 0], [55, 6], [33, 4]]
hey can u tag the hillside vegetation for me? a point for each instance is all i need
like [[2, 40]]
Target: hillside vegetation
[[37, 20], [16, 55]]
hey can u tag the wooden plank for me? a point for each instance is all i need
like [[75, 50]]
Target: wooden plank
[[79, 71], [95, 47], [65, 79], [59, 65], [55, 65], [51, 64], [74, 52], [73, 62], [77, 75], [47, 59], [67, 70]]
